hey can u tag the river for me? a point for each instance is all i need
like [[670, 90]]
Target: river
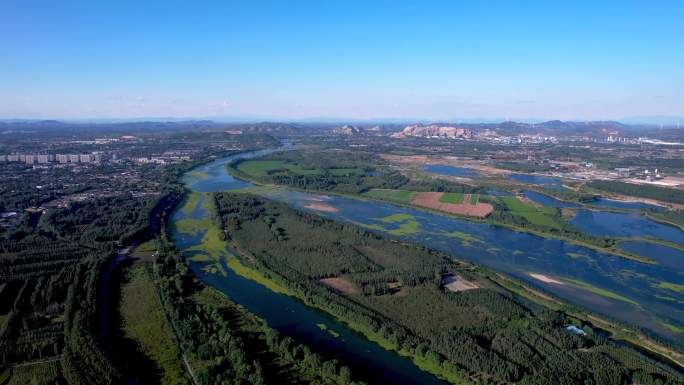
[[645, 295], [286, 314]]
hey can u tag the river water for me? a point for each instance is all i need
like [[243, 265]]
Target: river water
[[545, 181], [605, 223], [546, 200], [452, 170], [622, 289]]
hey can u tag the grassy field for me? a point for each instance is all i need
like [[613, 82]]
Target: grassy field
[[400, 196], [144, 322], [474, 198], [543, 216], [145, 250], [259, 168], [149, 246], [456, 198]]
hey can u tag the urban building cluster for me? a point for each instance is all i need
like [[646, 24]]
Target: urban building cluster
[[163, 159], [95, 157], [52, 158]]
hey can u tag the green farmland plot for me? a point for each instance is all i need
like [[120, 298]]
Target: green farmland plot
[[543, 216], [455, 198]]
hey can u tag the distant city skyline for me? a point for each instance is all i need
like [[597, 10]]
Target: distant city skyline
[[356, 60]]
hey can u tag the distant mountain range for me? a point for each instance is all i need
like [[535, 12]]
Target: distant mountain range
[[448, 129]]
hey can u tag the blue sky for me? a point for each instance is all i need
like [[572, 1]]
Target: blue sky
[[347, 59]]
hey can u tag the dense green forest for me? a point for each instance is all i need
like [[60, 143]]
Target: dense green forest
[[338, 171], [50, 272], [393, 294]]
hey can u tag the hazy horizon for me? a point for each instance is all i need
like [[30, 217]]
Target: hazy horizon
[[382, 60], [665, 121]]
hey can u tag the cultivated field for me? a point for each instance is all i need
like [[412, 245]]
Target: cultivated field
[[469, 205]]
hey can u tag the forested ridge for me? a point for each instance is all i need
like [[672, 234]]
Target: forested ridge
[[484, 336]]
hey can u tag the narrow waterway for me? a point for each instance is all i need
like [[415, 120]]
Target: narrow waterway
[[104, 299]]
